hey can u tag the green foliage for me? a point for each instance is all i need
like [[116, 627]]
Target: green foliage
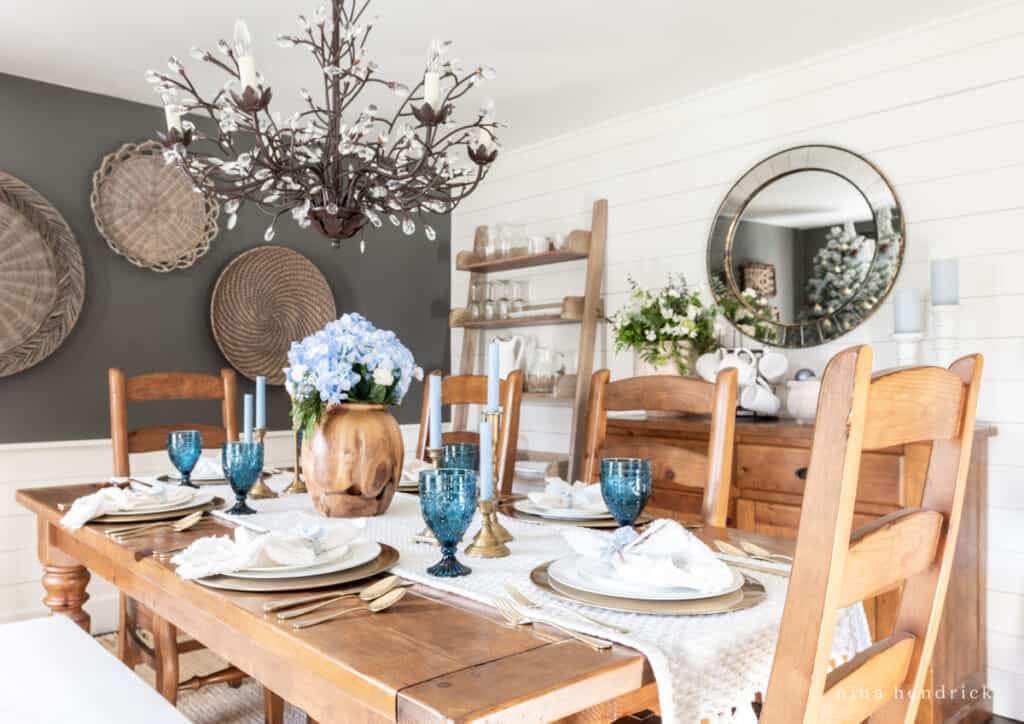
[[310, 410], [752, 318]]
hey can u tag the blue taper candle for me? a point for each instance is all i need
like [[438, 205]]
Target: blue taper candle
[[486, 460], [435, 411], [261, 402], [493, 381], [247, 417]]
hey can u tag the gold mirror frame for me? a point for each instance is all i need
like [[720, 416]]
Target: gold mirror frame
[[738, 309]]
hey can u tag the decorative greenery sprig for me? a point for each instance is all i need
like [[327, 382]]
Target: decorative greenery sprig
[[664, 325]]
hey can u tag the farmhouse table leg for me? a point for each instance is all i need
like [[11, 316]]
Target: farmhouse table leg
[[64, 579]]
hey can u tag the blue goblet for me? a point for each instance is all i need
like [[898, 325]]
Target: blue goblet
[[243, 464], [625, 487], [448, 501], [462, 455], [184, 448]]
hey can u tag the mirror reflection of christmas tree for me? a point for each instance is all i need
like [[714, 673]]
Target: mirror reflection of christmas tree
[[851, 273]]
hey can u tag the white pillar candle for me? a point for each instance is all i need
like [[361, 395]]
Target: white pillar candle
[[493, 381], [907, 310], [486, 459], [432, 89], [434, 413], [247, 417], [945, 281], [261, 402]]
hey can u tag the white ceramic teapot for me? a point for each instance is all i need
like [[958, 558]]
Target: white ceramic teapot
[[511, 353]]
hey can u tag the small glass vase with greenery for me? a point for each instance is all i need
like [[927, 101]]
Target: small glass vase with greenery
[[668, 325]]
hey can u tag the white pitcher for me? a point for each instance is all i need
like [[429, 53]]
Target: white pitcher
[[511, 352]]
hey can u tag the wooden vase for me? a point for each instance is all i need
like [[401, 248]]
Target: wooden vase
[[353, 461]]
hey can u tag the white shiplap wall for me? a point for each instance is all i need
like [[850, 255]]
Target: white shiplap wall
[[940, 109]]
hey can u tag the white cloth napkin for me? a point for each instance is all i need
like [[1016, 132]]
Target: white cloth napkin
[[411, 469], [666, 552], [302, 545], [207, 467], [579, 496], [123, 500]]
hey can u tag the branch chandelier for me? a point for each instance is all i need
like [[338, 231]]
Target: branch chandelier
[[340, 162]]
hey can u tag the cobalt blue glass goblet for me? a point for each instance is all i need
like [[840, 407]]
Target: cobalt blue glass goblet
[[625, 487], [184, 448], [462, 455], [243, 464], [448, 501]]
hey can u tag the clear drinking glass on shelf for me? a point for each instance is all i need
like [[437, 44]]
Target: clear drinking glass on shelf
[[476, 295], [505, 239], [540, 374], [518, 303], [504, 300], [557, 240], [489, 305], [537, 244]]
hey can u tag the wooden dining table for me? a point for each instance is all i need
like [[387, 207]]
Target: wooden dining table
[[435, 657]]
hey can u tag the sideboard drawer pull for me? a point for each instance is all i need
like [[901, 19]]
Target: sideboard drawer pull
[[801, 473]]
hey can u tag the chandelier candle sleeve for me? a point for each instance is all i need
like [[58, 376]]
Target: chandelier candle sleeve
[[435, 411], [493, 381], [172, 112], [243, 50], [908, 310], [247, 417], [945, 281], [486, 459], [261, 401]]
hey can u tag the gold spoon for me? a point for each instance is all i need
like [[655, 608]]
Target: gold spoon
[[125, 529], [369, 593], [377, 605], [178, 526]]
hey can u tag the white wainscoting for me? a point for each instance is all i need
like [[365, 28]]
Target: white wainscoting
[[940, 109], [32, 465]]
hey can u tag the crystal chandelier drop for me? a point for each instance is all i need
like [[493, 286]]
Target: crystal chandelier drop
[[338, 163]]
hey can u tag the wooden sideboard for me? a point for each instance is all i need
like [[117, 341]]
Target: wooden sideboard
[[769, 471]]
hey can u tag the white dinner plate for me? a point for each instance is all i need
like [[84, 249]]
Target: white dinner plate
[[201, 497], [358, 553], [531, 508], [566, 571]]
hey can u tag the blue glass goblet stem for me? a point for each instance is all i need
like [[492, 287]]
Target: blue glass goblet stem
[[184, 448], [448, 501], [625, 487], [243, 463], [462, 455]]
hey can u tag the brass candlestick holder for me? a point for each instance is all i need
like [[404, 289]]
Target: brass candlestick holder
[[426, 535], [486, 543], [261, 489], [500, 531], [297, 486]]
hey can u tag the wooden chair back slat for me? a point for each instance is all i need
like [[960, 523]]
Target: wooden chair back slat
[[167, 386], [875, 674], [672, 465], [906, 406], [889, 550], [669, 393], [472, 390], [926, 409]]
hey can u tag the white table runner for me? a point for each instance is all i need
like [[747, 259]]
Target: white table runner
[[707, 667]]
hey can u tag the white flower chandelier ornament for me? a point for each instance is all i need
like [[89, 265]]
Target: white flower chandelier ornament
[[338, 163]]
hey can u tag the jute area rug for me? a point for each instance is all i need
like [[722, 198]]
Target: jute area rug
[[217, 703]]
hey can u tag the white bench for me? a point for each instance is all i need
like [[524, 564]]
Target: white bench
[[53, 672]]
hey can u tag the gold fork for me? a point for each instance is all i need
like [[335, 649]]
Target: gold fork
[[515, 594], [178, 526], [514, 616]]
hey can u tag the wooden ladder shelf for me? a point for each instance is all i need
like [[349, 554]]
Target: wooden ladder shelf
[[584, 310]]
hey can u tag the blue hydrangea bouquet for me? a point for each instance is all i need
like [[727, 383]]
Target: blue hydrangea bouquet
[[350, 361]]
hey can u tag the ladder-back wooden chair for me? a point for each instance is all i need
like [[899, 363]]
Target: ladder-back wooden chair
[[472, 390], [162, 656], [673, 466], [929, 407]]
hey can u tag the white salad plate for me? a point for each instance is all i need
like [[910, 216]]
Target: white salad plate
[[341, 559], [531, 508], [567, 571]]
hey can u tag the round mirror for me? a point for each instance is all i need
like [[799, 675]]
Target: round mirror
[[805, 246]]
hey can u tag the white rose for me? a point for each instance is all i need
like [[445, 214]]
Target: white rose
[[417, 373], [384, 376]]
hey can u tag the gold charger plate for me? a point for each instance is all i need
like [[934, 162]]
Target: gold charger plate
[[751, 594], [161, 515], [387, 558], [506, 509]]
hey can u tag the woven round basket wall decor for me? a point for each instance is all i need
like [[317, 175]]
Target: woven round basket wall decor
[[265, 299], [148, 211], [42, 280]]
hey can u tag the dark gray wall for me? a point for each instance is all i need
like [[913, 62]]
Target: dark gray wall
[[53, 138]]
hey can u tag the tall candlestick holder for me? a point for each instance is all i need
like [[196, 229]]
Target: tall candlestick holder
[[261, 489], [297, 486], [486, 543], [494, 418], [426, 535]]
